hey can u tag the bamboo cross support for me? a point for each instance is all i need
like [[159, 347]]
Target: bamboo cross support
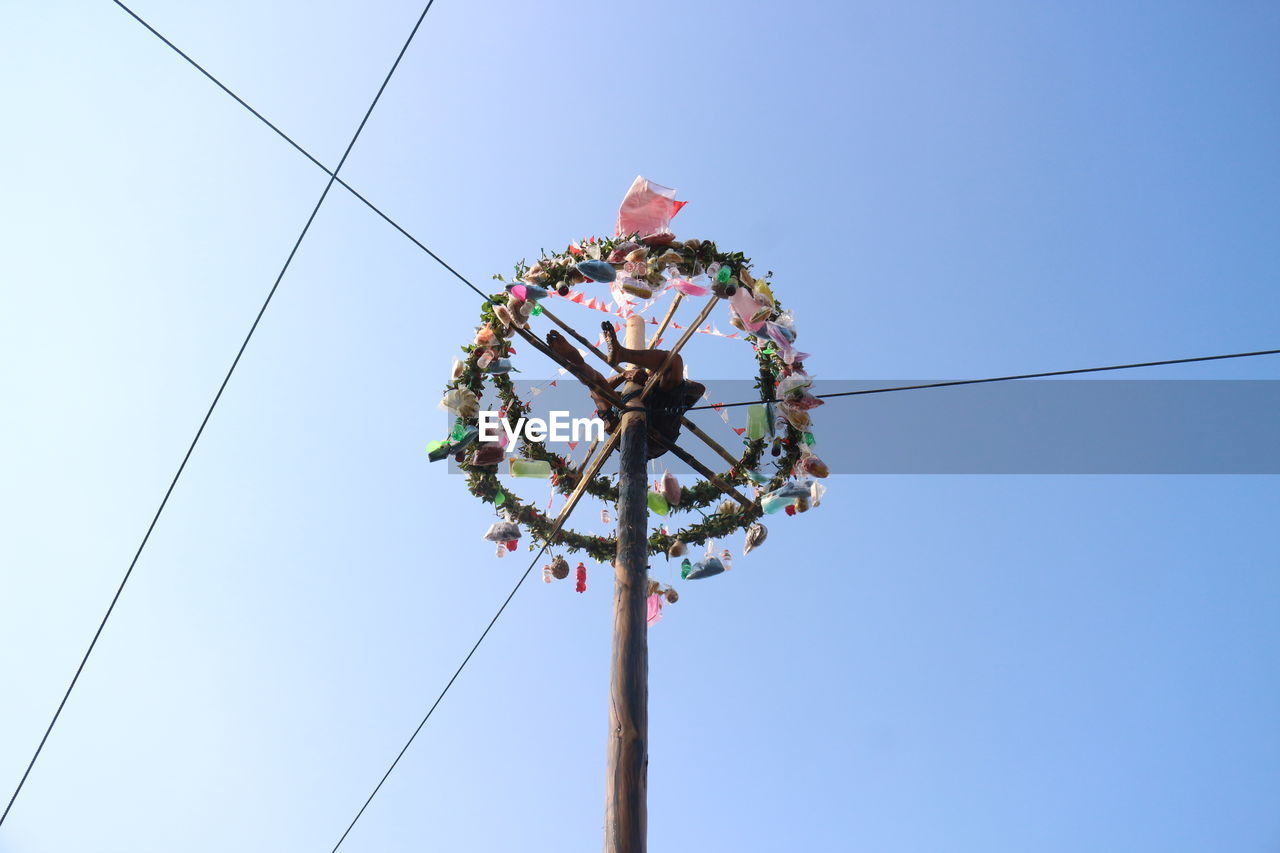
[[710, 442], [671, 312], [671, 353], [590, 467]]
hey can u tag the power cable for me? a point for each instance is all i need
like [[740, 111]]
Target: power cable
[[718, 406], [218, 396], [334, 178], [432, 709], [304, 152]]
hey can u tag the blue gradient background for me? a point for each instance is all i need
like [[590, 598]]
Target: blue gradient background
[[966, 663]]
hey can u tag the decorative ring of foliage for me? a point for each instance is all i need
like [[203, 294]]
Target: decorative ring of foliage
[[558, 272]]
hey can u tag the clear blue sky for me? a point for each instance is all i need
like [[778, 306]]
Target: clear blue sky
[[925, 663]]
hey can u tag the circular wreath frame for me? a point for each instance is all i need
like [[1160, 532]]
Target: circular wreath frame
[[558, 270]]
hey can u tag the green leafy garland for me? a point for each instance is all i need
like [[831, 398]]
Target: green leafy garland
[[558, 271]]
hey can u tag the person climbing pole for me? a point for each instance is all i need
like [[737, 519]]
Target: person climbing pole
[[666, 402]]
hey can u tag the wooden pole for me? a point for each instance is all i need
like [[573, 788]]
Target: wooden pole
[[662, 327], [626, 778], [710, 442]]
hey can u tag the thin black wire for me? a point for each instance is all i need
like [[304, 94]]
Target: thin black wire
[[304, 152], [208, 414], [432, 709], [334, 178], [1004, 378]]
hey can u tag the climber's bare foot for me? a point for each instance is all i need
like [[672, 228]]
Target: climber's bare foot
[[562, 347], [610, 341]]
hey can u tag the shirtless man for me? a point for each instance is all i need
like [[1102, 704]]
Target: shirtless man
[[667, 400]]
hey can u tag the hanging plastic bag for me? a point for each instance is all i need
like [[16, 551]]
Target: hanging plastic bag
[[487, 454], [798, 418], [802, 400], [501, 366], [532, 468], [696, 286], [597, 270], [461, 403], [658, 503], [671, 488], [783, 496], [771, 503], [527, 292], [654, 610], [750, 313], [811, 466], [796, 380], [705, 568], [647, 209], [485, 336], [503, 531]]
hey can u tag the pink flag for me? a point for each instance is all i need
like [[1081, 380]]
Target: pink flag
[[647, 209]]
